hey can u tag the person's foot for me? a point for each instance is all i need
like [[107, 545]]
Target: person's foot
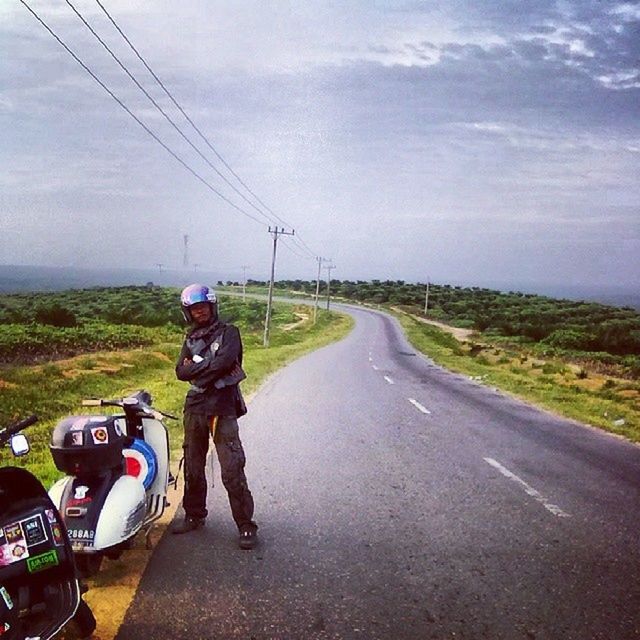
[[188, 524], [248, 536]]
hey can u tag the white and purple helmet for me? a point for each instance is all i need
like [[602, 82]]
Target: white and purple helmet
[[194, 294]]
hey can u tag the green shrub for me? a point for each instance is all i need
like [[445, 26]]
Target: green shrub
[[55, 315], [550, 368]]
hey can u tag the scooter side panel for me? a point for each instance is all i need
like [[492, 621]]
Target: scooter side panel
[[57, 490], [122, 513], [155, 434]]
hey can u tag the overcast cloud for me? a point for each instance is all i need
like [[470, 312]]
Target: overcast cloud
[[463, 141]]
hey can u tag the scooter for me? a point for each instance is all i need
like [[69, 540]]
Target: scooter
[[117, 470], [39, 589]]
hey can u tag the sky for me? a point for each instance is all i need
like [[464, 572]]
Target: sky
[[457, 142]]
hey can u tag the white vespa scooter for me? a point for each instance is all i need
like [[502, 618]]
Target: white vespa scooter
[[118, 474]]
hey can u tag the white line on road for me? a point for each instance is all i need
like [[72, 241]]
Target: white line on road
[[418, 406], [374, 367], [389, 380], [530, 491]]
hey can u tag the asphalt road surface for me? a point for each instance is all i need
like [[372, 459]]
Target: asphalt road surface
[[397, 500]]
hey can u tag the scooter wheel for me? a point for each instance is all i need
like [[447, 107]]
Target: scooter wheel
[[84, 619], [88, 564]]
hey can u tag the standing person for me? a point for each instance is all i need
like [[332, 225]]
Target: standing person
[[211, 360]]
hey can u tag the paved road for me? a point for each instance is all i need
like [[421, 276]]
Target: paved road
[[399, 501]]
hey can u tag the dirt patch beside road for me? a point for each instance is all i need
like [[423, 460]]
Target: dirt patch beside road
[[459, 334]]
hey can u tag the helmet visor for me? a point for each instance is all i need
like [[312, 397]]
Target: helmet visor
[[195, 293]]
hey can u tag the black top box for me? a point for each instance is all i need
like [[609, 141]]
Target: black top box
[[85, 445]]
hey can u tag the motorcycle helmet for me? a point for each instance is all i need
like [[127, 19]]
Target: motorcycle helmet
[[194, 294]]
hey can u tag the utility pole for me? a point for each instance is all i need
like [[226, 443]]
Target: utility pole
[[185, 256], [244, 282], [328, 268], [159, 265], [195, 267], [267, 323], [426, 298], [315, 308]]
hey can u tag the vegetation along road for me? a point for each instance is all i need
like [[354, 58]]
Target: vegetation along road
[[398, 500]]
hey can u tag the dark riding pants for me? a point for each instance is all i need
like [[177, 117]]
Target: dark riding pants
[[197, 428]]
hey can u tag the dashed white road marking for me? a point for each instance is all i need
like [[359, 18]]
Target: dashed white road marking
[[529, 490], [374, 367], [389, 380], [418, 406], [370, 359]]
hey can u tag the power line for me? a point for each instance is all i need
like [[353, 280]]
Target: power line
[[187, 118], [306, 246], [162, 111], [144, 126], [303, 247], [295, 253]]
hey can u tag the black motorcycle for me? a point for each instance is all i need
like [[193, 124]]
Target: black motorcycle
[[39, 589]]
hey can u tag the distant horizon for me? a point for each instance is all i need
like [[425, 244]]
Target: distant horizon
[[34, 278]]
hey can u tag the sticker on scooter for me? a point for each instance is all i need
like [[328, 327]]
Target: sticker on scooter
[[14, 547], [141, 462], [80, 492], [6, 597], [43, 561], [100, 435], [11, 553], [13, 533], [56, 531], [34, 530]]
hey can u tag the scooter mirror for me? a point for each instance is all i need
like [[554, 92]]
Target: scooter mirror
[[19, 444]]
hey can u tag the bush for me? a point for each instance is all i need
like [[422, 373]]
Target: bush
[[572, 339], [549, 368], [24, 343], [55, 315]]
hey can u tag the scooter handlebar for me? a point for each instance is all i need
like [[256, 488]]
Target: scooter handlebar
[[16, 427], [139, 402], [92, 402]]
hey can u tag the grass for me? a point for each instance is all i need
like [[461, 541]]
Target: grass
[[573, 392]]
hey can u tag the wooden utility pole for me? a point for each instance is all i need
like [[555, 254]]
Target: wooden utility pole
[[267, 323], [315, 308], [244, 282], [426, 298], [328, 268]]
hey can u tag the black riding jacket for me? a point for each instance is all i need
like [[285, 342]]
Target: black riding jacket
[[220, 347]]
